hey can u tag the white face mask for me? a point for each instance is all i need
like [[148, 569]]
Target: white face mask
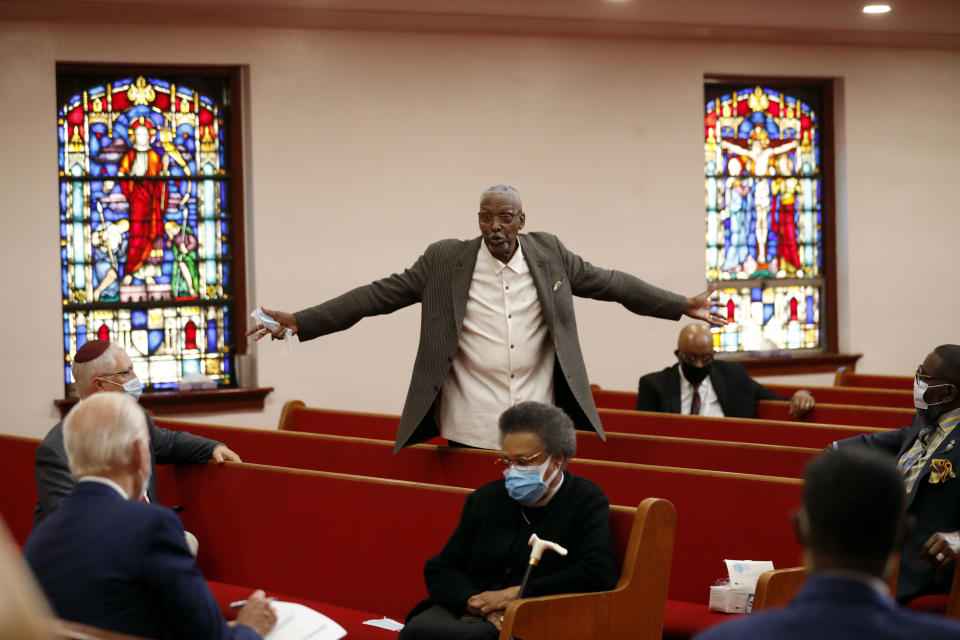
[[132, 387], [920, 390]]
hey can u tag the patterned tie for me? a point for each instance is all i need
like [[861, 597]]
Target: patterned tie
[[695, 403]]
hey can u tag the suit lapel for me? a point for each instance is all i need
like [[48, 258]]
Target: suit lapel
[[673, 390], [542, 280], [461, 278], [949, 449]]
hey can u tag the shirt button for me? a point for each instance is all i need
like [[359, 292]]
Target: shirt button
[[511, 375], [507, 287], [511, 346]]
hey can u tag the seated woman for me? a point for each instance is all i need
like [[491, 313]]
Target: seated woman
[[479, 570]]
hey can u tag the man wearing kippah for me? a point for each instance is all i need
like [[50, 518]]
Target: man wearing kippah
[[103, 366]]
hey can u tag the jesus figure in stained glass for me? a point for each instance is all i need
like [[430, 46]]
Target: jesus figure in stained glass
[[761, 154], [147, 199]]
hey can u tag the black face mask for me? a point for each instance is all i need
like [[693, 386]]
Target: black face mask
[[694, 374]]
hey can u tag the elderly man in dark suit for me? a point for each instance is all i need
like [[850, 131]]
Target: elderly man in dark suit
[[928, 456], [851, 524], [497, 324], [106, 559], [103, 366], [700, 385]]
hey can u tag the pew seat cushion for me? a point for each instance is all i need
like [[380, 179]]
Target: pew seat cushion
[[931, 604], [350, 619], [685, 619]]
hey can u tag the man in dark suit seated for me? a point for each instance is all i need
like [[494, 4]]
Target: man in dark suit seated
[[700, 385], [101, 366], [106, 559], [479, 571], [851, 524], [927, 454]]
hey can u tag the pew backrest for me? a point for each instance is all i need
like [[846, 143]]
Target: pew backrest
[[847, 377], [895, 398], [796, 434], [877, 418], [717, 512], [19, 495]]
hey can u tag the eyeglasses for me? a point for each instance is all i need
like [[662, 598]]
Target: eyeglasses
[[504, 218], [524, 461], [118, 373], [691, 358], [920, 376]]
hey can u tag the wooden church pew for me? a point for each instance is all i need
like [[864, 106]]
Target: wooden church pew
[[360, 543], [734, 457], [894, 398], [796, 434], [825, 413], [846, 377], [717, 512]]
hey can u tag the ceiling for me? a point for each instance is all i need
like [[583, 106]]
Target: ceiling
[[912, 23]]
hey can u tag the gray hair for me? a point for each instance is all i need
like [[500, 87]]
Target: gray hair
[[550, 424], [504, 189], [99, 433], [84, 373]]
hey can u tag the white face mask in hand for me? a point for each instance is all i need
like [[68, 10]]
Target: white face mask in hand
[[266, 323]]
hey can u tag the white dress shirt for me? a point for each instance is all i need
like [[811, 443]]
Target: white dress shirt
[[504, 357], [709, 402]]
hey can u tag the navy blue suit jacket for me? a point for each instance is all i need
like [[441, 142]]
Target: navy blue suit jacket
[[123, 565], [737, 392], [934, 507], [830, 608]]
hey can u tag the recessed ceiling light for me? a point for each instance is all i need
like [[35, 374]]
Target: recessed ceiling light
[[877, 8]]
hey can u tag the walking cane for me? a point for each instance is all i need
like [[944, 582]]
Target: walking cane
[[535, 554]]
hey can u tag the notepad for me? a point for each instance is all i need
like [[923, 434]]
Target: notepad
[[385, 623], [297, 622]]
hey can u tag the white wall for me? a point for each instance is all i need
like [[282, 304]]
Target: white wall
[[364, 147]]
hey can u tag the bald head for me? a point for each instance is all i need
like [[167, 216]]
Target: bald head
[[695, 346]]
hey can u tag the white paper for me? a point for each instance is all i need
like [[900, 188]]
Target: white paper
[[297, 622], [385, 623], [745, 573], [726, 598]]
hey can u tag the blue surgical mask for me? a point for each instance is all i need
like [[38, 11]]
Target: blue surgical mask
[[527, 485], [132, 387]]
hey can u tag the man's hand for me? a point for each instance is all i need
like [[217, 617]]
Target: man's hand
[[487, 601], [941, 549], [258, 613], [286, 320], [221, 454], [801, 403], [698, 308]]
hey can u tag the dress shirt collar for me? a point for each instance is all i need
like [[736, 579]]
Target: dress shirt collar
[[516, 264], [107, 481]]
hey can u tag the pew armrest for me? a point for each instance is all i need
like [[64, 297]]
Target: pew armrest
[[776, 588], [634, 609], [288, 407]]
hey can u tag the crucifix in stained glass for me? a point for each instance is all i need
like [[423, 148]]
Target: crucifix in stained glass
[[144, 225], [764, 218]]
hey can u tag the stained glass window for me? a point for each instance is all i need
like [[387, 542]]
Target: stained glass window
[[145, 223], [764, 218]]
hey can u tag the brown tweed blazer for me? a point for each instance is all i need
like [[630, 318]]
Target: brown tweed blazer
[[440, 281]]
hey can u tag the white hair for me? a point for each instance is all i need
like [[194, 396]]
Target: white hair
[[99, 433], [84, 373], [504, 189]]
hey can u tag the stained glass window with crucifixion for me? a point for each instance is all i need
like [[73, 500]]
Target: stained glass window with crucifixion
[[764, 216], [145, 222]]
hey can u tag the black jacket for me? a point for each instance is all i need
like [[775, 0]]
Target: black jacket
[[737, 392], [488, 550], [52, 470], [934, 507]]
